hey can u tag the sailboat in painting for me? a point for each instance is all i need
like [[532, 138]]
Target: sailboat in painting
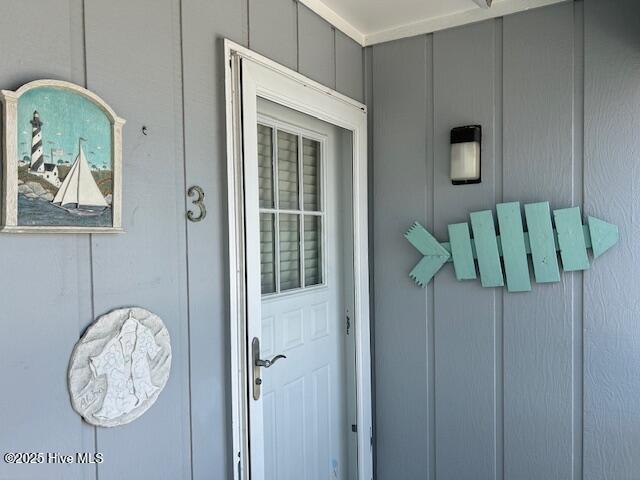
[[79, 193]]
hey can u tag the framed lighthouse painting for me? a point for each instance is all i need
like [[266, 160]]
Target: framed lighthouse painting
[[62, 160]]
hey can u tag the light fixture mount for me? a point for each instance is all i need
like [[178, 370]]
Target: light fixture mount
[[466, 153]]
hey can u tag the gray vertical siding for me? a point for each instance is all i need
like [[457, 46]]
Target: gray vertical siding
[[401, 169], [45, 281], [147, 265], [524, 386], [316, 47], [539, 164], [464, 312], [159, 64], [349, 67], [611, 305], [204, 23], [273, 30]]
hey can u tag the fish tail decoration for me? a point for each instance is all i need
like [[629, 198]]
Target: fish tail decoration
[[434, 254]]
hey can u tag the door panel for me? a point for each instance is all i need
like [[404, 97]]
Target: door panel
[[255, 276], [306, 411]]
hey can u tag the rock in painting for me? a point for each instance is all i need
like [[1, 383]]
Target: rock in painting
[[119, 367]]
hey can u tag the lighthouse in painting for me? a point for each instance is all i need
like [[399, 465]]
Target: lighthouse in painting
[[37, 162], [48, 171]]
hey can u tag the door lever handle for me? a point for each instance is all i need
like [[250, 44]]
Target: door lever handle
[[257, 364], [268, 363]]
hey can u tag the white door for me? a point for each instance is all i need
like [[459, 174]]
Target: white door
[[299, 275], [308, 398]]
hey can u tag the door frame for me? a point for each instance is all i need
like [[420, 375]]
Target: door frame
[[321, 102]]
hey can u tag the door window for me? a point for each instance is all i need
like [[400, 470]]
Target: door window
[[291, 210]]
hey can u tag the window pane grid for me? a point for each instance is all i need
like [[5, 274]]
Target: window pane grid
[[276, 214], [267, 253], [311, 174], [289, 252], [293, 212], [288, 167], [312, 250], [290, 211], [265, 166], [301, 205]]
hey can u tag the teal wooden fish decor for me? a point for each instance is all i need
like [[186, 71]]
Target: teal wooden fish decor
[[570, 237]]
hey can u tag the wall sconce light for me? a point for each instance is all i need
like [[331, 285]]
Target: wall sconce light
[[465, 154]]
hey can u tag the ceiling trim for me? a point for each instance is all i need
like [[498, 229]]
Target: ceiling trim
[[499, 9], [319, 7], [428, 25]]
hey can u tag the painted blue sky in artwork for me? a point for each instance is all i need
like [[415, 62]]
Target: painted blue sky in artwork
[[66, 116]]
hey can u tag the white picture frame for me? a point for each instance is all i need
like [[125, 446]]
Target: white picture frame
[[84, 204]]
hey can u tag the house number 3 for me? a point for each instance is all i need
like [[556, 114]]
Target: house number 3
[[197, 192]]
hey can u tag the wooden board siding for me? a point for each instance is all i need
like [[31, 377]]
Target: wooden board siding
[[510, 371], [160, 65]]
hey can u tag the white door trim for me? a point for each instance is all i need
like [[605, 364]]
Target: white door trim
[[328, 105]]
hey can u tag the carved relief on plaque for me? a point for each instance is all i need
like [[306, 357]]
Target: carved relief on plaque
[[119, 367]]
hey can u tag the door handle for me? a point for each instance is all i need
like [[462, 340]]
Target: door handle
[[258, 363], [268, 363]]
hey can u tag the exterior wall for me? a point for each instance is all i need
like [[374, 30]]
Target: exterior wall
[[159, 64], [492, 385], [478, 383]]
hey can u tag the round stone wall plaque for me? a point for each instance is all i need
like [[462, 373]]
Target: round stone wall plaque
[[119, 367]]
